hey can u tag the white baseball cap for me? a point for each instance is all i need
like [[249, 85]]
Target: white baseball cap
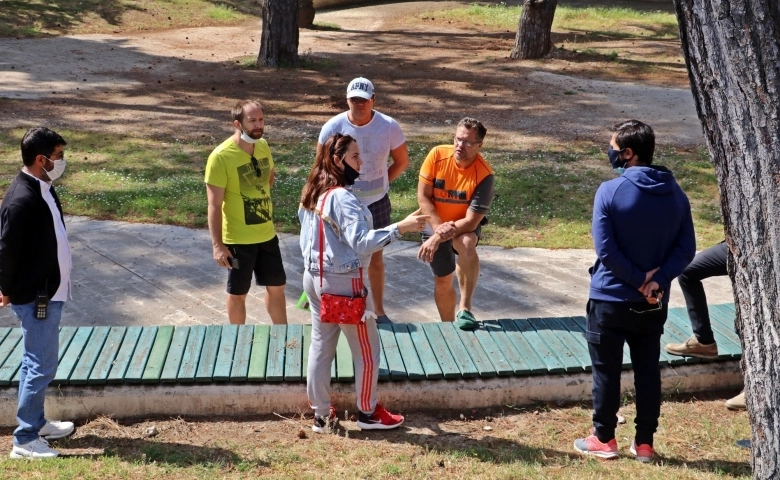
[[360, 87]]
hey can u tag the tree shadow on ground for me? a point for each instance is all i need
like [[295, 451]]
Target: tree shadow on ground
[[24, 17]]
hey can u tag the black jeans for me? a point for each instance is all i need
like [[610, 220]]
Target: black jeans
[[707, 263], [610, 325]]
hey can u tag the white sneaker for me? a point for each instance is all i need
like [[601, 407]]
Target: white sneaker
[[38, 448], [55, 429]]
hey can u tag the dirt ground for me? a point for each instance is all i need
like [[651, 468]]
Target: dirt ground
[[428, 73]]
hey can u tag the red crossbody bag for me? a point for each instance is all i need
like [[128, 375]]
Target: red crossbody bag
[[339, 308]]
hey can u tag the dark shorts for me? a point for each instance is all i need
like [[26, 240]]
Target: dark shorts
[[263, 259], [445, 257], [380, 210]]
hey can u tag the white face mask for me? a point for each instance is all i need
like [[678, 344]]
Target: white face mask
[[247, 138], [59, 168]]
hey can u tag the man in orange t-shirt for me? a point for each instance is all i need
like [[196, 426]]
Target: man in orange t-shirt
[[455, 189]]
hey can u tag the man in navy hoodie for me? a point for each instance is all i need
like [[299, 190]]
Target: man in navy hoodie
[[643, 236]]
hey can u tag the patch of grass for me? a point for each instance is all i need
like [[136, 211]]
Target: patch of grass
[[543, 197], [49, 17], [325, 26], [222, 13], [695, 440], [611, 21]]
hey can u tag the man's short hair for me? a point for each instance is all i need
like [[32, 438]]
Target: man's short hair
[[39, 141], [471, 124], [637, 136], [238, 111]]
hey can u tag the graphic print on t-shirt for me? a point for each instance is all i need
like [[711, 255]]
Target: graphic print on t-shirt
[[257, 210]]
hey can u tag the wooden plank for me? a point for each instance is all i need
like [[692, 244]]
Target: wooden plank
[[170, 370], [274, 371], [522, 346], [66, 336], [574, 352], [497, 334], [12, 364], [477, 354], [440, 349], [89, 356], [494, 353], [191, 356], [725, 318], [293, 356], [412, 364], [225, 353], [71, 357], [306, 347], [345, 367], [726, 348], [333, 376], [135, 371], [258, 359], [208, 354], [425, 354], [395, 363], [124, 355], [105, 360], [4, 331], [9, 344], [552, 338], [458, 350], [158, 354], [240, 368], [575, 340], [384, 370], [722, 322], [537, 345]]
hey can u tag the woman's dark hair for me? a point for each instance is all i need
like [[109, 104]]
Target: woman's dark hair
[[637, 136], [326, 174]]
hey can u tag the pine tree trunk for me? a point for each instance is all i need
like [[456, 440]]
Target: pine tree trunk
[[279, 40], [533, 29], [732, 50]]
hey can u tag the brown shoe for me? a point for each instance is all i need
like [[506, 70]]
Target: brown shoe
[[692, 348], [736, 403]]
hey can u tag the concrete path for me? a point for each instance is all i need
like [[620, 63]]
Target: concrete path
[[140, 274]]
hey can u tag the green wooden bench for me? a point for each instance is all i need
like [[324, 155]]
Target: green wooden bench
[[279, 353]]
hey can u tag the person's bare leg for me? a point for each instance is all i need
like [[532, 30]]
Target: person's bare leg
[[467, 268], [236, 308], [444, 294], [276, 304], [376, 278]]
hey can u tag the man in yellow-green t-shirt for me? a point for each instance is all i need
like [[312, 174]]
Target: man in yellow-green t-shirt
[[239, 177]]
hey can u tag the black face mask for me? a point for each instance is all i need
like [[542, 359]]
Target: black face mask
[[350, 173], [614, 159]]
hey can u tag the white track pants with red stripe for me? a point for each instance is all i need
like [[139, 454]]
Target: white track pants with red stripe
[[363, 342]]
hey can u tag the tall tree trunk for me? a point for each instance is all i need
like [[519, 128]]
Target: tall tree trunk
[[305, 13], [533, 29], [279, 40], [732, 50]]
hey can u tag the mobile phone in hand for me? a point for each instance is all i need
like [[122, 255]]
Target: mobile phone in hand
[[233, 262]]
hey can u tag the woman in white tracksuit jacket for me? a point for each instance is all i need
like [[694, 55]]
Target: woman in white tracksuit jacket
[[349, 243]]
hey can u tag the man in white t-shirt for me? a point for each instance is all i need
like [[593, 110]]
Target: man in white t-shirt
[[378, 137]]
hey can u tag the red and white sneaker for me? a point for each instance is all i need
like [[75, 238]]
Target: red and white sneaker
[[381, 419], [322, 424], [592, 446], [643, 452]]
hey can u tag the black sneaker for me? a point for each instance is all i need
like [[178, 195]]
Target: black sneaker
[[323, 424]]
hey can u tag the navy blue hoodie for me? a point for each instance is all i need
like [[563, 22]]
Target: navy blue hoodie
[[641, 220]]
